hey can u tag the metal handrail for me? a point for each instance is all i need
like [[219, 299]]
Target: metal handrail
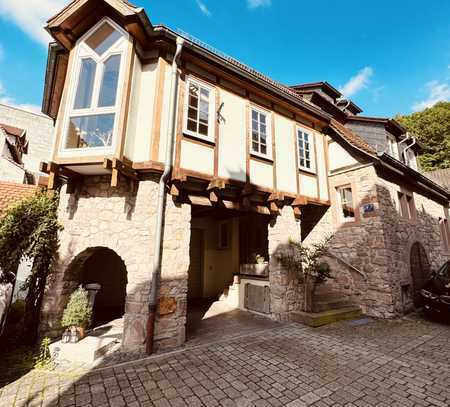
[[362, 273]]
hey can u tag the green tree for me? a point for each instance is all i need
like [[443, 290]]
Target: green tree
[[29, 230], [432, 128]]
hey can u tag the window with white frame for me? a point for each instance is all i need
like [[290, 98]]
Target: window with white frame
[[346, 204], [392, 147], [260, 140], [305, 145], [94, 104], [200, 104]]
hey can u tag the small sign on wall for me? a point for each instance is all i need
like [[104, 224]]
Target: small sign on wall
[[368, 208]]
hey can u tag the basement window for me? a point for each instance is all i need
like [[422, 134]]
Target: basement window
[[199, 110], [94, 104], [305, 145], [261, 144], [346, 203]]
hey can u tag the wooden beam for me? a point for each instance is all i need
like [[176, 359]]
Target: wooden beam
[[118, 167], [199, 200], [300, 200]]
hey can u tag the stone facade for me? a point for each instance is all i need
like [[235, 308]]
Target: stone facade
[[285, 291], [378, 244], [123, 221]]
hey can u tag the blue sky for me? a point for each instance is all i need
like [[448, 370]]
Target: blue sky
[[388, 56]]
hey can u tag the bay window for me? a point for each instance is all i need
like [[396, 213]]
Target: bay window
[[94, 101], [199, 110], [305, 145], [260, 143]]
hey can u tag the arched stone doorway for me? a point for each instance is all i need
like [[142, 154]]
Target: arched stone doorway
[[420, 270], [102, 266]]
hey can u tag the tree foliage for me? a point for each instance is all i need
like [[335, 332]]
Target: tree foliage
[[29, 230], [432, 128]]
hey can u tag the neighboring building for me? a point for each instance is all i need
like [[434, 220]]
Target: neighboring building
[[442, 177], [26, 140], [256, 163]]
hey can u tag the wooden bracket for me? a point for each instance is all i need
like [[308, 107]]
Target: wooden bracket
[[118, 167], [214, 188], [296, 205]]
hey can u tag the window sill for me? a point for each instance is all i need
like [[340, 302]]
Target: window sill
[[199, 139], [259, 157], [307, 171]]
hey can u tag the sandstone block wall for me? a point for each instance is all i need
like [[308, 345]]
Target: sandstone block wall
[[123, 221], [379, 243], [285, 292]]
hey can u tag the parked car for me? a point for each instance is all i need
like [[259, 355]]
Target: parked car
[[436, 294]]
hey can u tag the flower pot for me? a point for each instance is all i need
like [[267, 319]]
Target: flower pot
[[81, 331]]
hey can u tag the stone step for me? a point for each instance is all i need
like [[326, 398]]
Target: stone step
[[330, 304], [316, 319], [97, 343]]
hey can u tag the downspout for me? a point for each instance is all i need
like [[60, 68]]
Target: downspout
[[161, 204], [406, 149], [402, 155]]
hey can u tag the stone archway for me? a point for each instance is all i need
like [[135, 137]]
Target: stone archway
[[420, 270], [105, 267]]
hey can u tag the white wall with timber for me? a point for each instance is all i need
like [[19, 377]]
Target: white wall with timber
[[140, 119], [197, 157], [321, 166], [339, 157], [232, 137], [285, 145], [308, 185]]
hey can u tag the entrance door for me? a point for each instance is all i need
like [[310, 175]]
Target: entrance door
[[420, 270], [195, 280]]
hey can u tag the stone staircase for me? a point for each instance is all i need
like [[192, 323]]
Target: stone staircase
[[230, 295], [328, 306]]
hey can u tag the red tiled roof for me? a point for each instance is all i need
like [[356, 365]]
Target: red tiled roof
[[11, 192], [352, 138]]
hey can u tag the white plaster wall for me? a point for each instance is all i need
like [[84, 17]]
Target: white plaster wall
[[285, 154], [321, 167], [261, 174], [339, 157], [40, 134], [308, 185], [165, 114], [232, 140], [196, 157], [140, 120], [11, 172]]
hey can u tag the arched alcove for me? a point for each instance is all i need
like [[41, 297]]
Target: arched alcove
[[105, 267]]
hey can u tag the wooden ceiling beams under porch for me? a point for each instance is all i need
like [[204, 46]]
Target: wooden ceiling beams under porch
[[189, 187]]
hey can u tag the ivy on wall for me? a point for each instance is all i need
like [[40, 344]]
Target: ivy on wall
[[29, 230]]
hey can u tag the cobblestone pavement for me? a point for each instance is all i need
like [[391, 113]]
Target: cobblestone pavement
[[384, 363]]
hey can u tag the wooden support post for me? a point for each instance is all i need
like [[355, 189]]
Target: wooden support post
[[52, 176]]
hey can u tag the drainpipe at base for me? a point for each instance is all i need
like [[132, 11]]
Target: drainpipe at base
[[161, 204]]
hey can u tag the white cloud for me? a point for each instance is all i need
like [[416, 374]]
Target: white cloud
[[31, 15], [437, 92], [5, 99], [357, 82], [203, 8], [259, 3]]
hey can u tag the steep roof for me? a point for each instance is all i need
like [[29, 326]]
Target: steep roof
[[441, 176], [352, 138], [11, 192], [323, 86]]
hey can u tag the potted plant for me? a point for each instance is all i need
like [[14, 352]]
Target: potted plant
[[77, 315], [306, 262]]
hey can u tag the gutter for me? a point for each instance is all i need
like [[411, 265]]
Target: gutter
[[161, 204], [423, 181]]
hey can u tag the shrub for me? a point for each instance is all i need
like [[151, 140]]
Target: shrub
[[78, 312], [44, 359]]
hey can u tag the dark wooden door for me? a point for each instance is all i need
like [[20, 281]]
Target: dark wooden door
[[195, 280], [420, 270]]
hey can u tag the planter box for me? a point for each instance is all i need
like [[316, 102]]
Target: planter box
[[259, 270]]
